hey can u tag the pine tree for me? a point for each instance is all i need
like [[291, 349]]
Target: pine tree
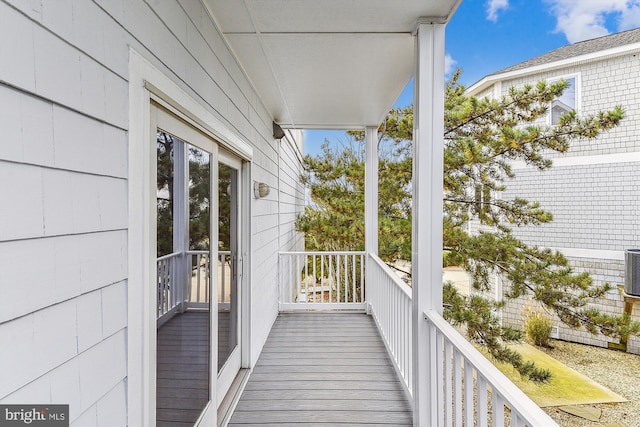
[[482, 138]]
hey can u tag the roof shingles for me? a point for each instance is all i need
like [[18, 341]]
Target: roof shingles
[[577, 49]]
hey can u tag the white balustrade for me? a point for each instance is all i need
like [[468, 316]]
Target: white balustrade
[[184, 281], [390, 303], [322, 280], [169, 283], [465, 376]]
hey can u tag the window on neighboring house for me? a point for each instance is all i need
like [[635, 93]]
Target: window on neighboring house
[[482, 203], [565, 103]]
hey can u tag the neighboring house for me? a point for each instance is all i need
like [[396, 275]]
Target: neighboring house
[[92, 93], [592, 190]]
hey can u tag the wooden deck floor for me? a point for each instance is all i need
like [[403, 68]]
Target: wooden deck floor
[[322, 369], [182, 373]]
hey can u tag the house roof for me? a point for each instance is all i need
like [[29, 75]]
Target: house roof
[[576, 52], [326, 63]]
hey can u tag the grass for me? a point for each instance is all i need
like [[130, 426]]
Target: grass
[[566, 387]]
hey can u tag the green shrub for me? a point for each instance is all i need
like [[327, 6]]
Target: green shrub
[[538, 327]]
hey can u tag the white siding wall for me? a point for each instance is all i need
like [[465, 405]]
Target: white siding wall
[[63, 186], [592, 190]]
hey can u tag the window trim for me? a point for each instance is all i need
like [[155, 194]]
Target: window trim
[[577, 91]]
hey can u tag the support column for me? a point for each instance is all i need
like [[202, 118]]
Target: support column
[[371, 191], [181, 218], [428, 170], [370, 201]]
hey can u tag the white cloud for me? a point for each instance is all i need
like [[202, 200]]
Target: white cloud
[[449, 64], [494, 6], [585, 19], [631, 18]]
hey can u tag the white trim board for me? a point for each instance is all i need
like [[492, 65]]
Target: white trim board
[[591, 253], [599, 159], [549, 66]]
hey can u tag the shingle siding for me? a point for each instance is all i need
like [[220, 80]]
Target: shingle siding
[[592, 190]]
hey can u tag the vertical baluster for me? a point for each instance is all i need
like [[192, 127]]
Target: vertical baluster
[[338, 281], [353, 278], [298, 273], [223, 277], [516, 421], [199, 267], [322, 281], [306, 278], [394, 330], [290, 279], [345, 262], [498, 409], [447, 384], [158, 286], [468, 392], [164, 291], [174, 281], [167, 286], [343, 279], [457, 388], [483, 407], [330, 267], [207, 278], [363, 261], [315, 279], [439, 376]]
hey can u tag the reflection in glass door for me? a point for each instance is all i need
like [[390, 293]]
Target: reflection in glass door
[[184, 311], [228, 289], [198, 238]]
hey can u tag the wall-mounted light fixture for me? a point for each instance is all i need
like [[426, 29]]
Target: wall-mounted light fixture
[[261, 189], [278, 133]]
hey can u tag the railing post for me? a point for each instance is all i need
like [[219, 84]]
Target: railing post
[[371, 199], [427, 209]]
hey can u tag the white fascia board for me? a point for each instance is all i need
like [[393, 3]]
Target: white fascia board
[[600, 55]]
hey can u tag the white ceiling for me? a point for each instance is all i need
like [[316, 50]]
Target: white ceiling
[[326, 64]]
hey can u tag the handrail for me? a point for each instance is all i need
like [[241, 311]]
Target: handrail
[[504, 392], [394, 277], [324, 253], [167, 256]]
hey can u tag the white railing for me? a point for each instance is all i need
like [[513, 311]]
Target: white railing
[[200, 286], [322, 281], [390, 303], [469, 387], [170, 288], [184, 281]]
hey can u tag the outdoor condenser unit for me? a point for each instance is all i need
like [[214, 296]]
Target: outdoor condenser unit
[[632, 272]]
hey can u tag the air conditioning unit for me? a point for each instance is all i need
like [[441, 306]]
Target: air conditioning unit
[[632, 272]]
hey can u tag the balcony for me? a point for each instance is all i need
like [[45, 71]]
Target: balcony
[[341, 350]]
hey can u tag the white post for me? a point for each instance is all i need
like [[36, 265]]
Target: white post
[[181, 218], [371, 191], [370, 200], [428, 172]]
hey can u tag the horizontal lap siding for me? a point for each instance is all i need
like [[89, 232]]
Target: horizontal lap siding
[[63, 168]]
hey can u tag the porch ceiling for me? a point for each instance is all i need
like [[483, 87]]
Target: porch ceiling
[[326, 63]]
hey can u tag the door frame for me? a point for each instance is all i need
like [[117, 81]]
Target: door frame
[[232, 365], [146, 82]]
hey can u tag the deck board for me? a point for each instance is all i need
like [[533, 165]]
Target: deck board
[[321, 369], [182, 370]]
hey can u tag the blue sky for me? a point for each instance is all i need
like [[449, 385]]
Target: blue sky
[[485, 36]]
